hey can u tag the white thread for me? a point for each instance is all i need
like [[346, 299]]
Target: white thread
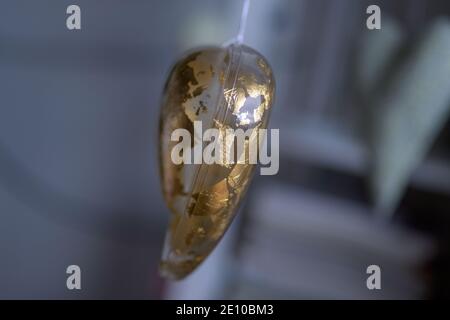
[[239, 39], [243, 23]]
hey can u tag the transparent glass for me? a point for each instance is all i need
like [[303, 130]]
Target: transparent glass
[[224, 88]]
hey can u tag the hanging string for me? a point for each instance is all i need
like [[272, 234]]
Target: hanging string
[[243, 22], [239, 39]]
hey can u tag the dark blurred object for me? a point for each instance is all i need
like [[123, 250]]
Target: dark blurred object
[[408, 109]]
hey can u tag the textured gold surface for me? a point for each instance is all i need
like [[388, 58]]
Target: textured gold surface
[[229, 87]]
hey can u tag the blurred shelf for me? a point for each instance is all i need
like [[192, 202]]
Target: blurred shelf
[[332, 148], [298, 243]]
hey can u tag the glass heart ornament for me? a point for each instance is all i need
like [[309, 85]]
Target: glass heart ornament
[[222, 88]]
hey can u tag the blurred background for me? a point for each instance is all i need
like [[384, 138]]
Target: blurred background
[[365, 150]]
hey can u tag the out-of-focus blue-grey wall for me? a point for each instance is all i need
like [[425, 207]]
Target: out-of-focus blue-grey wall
[[79, 180]]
